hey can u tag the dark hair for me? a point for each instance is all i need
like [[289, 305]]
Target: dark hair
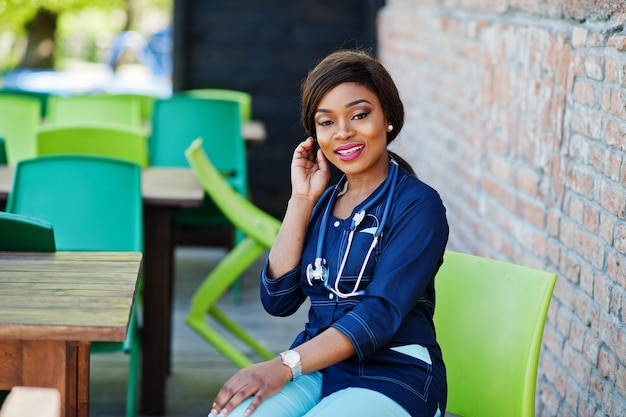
[[353, 66]]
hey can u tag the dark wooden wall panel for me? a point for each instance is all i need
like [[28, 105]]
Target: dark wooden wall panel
[[266, 47]]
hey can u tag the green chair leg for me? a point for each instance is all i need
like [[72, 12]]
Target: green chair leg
[[203, 302]]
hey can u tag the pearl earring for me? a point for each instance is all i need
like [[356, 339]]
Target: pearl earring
[[389, 128]]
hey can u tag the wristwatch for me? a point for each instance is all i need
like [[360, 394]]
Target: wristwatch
[[291, 358]]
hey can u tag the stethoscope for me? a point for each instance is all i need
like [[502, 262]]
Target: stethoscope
[[318, 270]]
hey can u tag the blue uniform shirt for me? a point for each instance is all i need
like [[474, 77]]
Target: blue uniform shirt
[[391, 325]]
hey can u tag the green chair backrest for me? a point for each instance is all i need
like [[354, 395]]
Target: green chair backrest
[[124, 110], [25, 234], [94, 203], [240, 211], [42, 96], [113, 141], [244, 99], [146, 104], [489, 319], [177, 121], [20, 117]]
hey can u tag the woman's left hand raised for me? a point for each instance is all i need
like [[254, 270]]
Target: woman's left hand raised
[[260, 380]]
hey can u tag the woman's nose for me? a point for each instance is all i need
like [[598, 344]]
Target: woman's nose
[[344, 131]]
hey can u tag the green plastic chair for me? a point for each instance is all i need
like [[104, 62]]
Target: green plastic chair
[[146, 104], [20, 117], [25, 234], [95, 204], [176, 122], [489, 318], [260, 232], [125, 110], [110, 141], [244, 99], [42, 96]]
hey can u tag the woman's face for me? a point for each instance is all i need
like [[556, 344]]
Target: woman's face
[[351, 129]]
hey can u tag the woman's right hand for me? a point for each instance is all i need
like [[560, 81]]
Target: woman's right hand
[[310, 171]]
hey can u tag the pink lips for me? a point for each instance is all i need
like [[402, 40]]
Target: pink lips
[[349, 152]]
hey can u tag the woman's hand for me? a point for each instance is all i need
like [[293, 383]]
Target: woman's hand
[[261, 380], [310, 172]]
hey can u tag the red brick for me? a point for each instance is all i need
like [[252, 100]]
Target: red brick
[[591, 219], [602, 292], [552, 222], [616, 269], [613, 166], [618, 104], [581, 180], [614, 68], [607, 365], [612, 198], [620, 238], [594, 66], [615, 133], [607, 226], [592, 348], [584, 93], [587, 277], [618, 41]]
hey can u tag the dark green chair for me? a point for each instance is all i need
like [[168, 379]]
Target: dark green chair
[[95, 204], [25, 234], [3, 152]]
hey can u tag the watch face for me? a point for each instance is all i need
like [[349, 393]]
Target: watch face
[[291, 357]]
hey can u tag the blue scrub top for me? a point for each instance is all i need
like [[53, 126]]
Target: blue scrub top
[[391, 325]]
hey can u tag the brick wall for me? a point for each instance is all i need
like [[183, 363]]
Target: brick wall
[[516, 113]]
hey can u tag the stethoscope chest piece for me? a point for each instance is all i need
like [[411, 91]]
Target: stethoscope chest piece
[[317, 271]]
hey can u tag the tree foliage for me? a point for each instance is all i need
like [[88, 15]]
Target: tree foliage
[[16, 14]]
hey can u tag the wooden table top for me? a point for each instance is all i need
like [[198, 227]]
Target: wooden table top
[[84, 296], [159, 186]]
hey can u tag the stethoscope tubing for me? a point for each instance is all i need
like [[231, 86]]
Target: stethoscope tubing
[[318, 270]]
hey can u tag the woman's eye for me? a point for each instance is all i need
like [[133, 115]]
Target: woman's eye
[[360, 116], [324, 122]]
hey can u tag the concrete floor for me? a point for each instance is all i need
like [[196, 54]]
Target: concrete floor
[[198, 370]]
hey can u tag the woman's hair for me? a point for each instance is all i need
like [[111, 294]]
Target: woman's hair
[[353, 66]]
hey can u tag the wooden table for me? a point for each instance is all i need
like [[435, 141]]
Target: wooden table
[[52, 306], [165, 191]]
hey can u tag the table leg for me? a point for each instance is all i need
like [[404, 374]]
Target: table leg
[[158, 270], [49, 364]]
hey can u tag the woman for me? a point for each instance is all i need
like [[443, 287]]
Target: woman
[[365, 252]]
